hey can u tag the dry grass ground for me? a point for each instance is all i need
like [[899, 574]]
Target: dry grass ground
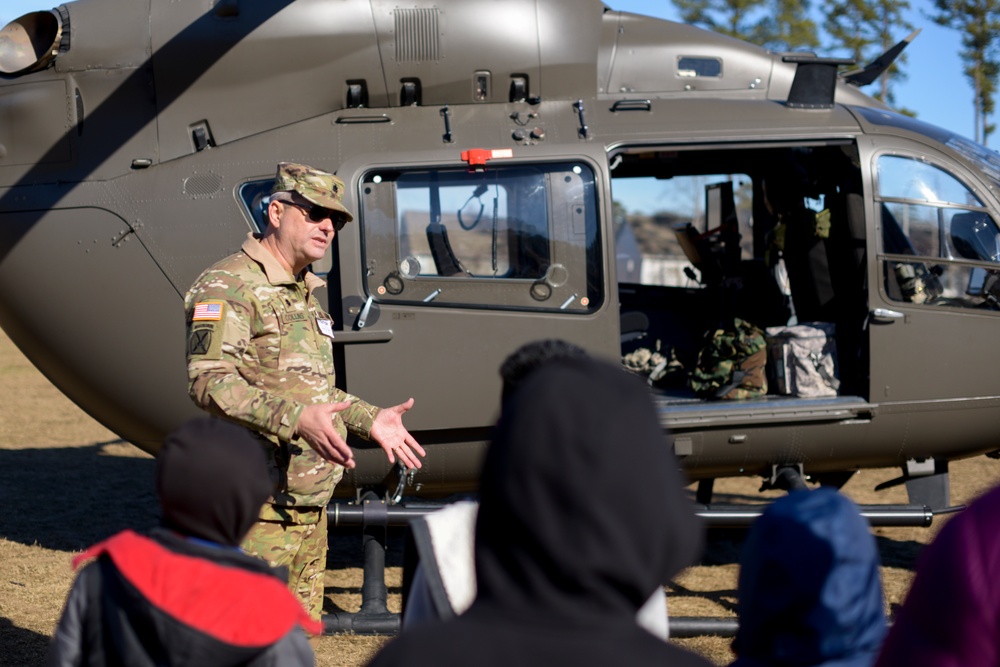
[[66, 482]]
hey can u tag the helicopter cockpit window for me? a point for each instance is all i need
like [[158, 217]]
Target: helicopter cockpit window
[[506, 237], [940, 246], [906, 178], [255, 196]]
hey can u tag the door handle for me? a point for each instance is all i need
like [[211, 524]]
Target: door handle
[[887, 315], [363, 317], [363, 336]]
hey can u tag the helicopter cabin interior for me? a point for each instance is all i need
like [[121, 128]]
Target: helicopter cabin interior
[[772, 235], [776, 236]]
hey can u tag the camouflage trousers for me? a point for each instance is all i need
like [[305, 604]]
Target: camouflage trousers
[[299, 546]]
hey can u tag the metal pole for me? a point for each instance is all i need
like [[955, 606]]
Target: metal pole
[[684, 627], [714, 515]]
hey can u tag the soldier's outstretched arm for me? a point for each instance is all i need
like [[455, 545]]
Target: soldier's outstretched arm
[[315, 426], [388, 431]]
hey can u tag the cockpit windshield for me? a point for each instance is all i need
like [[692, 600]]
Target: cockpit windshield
[[984, 158]]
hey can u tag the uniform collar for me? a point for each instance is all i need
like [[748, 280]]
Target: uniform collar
[[275, 272]]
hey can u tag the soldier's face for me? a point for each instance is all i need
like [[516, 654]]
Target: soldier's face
[[300, 238]]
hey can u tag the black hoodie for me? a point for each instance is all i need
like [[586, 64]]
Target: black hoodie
[[582, 515]]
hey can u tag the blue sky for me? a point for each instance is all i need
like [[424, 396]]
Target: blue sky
[[936, 89]]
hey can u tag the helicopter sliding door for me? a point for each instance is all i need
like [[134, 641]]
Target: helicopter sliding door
[[461, 269]]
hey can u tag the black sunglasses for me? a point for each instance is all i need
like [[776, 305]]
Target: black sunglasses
[[317, 213]]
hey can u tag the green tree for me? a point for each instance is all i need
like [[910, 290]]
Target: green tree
[[978, 21], [867, 29], [728, 17], [781, 25], [788, 26]]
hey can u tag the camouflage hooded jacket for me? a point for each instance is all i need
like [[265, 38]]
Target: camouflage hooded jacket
[[259, 350]]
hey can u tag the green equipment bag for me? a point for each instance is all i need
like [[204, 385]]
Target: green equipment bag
[[732, 362]]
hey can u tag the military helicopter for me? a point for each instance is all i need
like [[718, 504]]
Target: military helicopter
[[492, 152]]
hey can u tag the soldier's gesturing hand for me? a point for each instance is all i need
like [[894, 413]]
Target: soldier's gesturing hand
[[388, 431], [316, 427]]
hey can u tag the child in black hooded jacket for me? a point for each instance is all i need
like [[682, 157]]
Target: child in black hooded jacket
[[185, 594]]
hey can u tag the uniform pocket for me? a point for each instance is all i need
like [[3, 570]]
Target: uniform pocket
[[303, 350]]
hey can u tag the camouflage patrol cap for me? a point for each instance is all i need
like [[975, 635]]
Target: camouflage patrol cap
[[317, 186]]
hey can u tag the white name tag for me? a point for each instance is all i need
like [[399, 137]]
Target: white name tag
[[325, 327]]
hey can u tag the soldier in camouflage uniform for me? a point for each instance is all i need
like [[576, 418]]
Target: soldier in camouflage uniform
[[259, 353]]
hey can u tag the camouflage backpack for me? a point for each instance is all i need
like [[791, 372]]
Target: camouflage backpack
[[731, 363]]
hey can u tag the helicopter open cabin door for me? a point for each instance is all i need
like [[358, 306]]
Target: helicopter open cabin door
[[935, 314], [462, 267], [772, 234]]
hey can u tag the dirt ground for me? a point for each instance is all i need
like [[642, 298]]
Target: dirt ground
[[66, 482]]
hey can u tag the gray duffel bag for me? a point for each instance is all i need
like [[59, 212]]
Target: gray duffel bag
[[803, 359]]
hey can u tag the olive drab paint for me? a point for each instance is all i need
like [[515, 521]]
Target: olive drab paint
[[498, 160]]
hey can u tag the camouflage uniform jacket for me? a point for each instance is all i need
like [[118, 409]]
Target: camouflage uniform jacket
[[259, 350]]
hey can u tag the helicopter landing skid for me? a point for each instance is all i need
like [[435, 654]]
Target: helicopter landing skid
[[374, 617], [375, 515]]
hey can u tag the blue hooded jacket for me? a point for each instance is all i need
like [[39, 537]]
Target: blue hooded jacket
[[810, 593]]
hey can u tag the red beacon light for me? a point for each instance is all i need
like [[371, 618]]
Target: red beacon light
[[477, 157]]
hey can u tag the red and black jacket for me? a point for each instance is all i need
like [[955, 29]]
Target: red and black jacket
[[165, 600]]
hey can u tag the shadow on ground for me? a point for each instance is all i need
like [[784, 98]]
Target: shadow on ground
[[19, 642], [346, 552], [898, 553], [68, 498], [723, 546]]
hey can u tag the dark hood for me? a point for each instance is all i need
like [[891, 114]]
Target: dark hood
[[583, 512], [212, 479], [809, 586]]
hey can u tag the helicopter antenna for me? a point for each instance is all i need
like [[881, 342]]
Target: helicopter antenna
[[874, 69]]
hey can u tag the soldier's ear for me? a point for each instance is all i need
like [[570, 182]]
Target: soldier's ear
[[274, 209]]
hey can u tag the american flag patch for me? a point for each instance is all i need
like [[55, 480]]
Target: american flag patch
[[207, 311]]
